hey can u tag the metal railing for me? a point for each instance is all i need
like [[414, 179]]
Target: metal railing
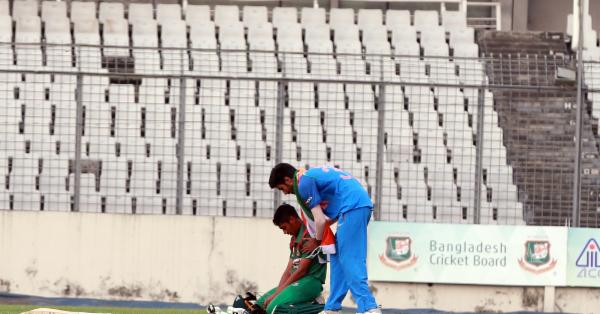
[[167, 131]]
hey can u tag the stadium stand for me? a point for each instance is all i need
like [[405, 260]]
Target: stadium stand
[[131, 131]]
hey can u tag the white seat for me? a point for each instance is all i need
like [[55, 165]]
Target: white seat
[[346, 34], [369, 18], [462, 36], [255, 15], [317, 33], [140, 12], [110, 10], [28, 30], [425, 19], [312, 17], [116, 33], [6, 30], [25, 9], [4, 8], [145, 34], [341, 17], [58, 31], [468, 50], [202, 35], [174, 34], [454, 20], [82, 11], [432, 35], [53, 10], [397, 19], [283, 16], [260, 32], [197, 14], [226, 14], [166, 12], [404, 35]]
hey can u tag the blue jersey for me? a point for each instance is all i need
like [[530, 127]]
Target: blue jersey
[[335, 190]]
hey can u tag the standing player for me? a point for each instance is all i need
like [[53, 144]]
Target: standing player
[[327, 194], [303, 278]]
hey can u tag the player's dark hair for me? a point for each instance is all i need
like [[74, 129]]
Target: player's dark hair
[[283, 214], [279, 172]]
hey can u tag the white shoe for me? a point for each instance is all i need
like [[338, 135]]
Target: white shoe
[[376, 310], [329, 312]]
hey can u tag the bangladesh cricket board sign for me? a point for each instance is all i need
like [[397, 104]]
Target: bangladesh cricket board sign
[[467, 254], [537, 258], [398, 252]]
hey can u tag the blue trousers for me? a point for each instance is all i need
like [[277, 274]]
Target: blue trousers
[[349, 264]]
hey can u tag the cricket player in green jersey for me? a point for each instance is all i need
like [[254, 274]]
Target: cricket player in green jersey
[[303, 278]]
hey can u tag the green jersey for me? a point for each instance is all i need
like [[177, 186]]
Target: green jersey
[[316, 269]]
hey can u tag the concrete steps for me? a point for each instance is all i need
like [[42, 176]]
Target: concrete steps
[[538, 124]]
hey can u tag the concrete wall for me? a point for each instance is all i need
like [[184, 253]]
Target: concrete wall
[[202, 259]]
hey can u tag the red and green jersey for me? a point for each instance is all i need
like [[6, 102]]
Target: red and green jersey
[[316, 270]]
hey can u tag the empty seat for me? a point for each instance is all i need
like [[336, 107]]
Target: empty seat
[[28, 30], [341, 17], [346, 34], [397, 19], [462, 36], [312, 17], [197, 14], [145, 34], [25, 9], [166, 12], [284, 15], [426, 19], [454, 20], [116, 33], [5, 30], [432, 36], [4, 8], [110, 10], [369, 18], [58, 31], [83, 11], [255, 15], [140, 12], [226, 14], [53, 10]]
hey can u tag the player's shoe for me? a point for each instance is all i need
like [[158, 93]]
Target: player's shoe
[[376, 310], [329, 312]]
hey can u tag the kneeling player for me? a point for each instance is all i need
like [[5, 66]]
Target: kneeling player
[[303, 278]]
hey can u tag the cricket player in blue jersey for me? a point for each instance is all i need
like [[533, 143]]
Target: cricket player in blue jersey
[[327, 194]]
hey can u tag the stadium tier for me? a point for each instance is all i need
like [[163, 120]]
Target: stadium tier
[[235, 71]]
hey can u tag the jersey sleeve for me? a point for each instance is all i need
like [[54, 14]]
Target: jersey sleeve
[[308, 192]]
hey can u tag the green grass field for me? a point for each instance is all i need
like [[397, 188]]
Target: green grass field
[[15, 309]]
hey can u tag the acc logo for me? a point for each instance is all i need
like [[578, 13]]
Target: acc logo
[[587, 260], [589, 255], [398, 252], [537, 258]]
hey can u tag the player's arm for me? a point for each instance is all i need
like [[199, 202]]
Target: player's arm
[[286, 273], [300, 272], [310, 194], [320, 220]]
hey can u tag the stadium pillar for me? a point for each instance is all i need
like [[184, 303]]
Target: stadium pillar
[[479, 155], [380, 143], [576, 210], [181, 145], [279, 131], [78, 130]]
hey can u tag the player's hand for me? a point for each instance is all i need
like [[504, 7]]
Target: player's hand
[[309, 245]]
